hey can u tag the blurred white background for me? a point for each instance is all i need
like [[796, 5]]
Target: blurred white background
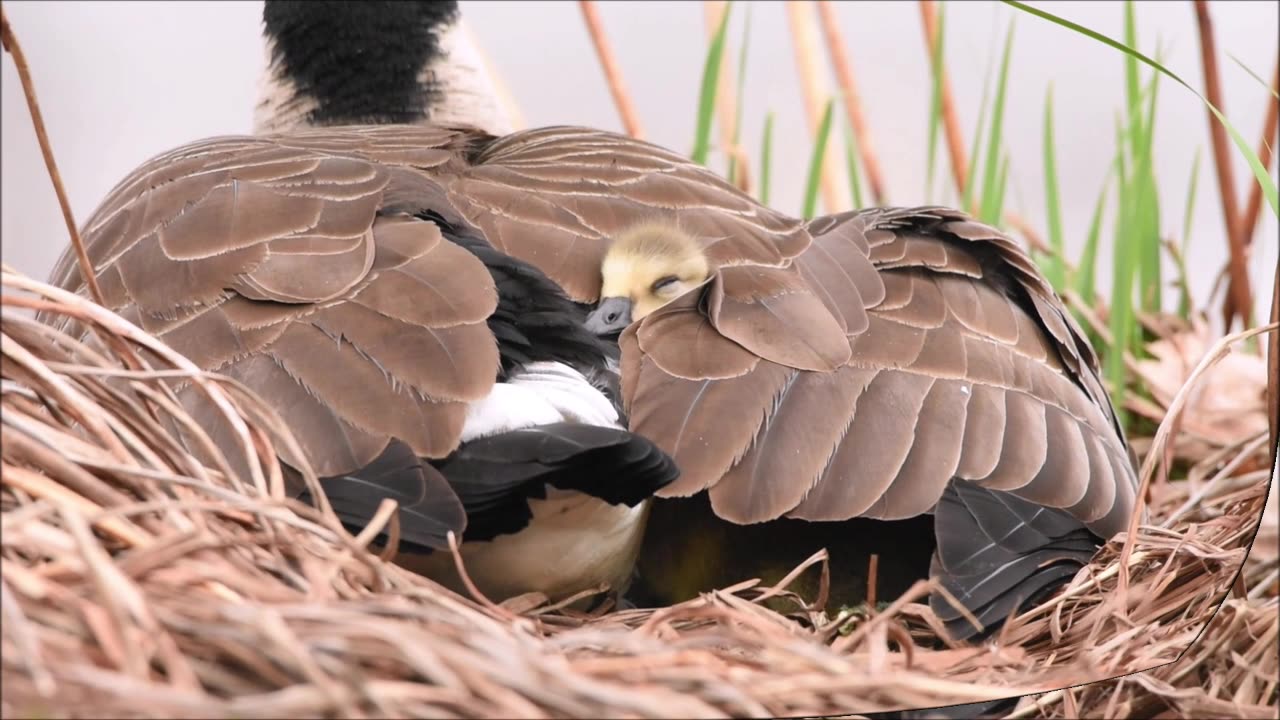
[[122, 81]]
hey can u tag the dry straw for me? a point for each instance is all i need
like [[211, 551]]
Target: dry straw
[[138, 581]]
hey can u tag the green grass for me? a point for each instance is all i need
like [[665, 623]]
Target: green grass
[[815, 162], [1131, 75], [851, 162], [1147, 218], [1184, 301], [966, 194], [1256, 76], [937, 52], [992, 191], [742, 82], [1128, 200], [766, 158], [707, 93], [1085, 280], [1055, 265], [1134, 217], [1255, 164]]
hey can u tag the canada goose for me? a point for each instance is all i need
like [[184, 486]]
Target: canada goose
[[901, 349], [328, 272], [842, 368], [847, 367]]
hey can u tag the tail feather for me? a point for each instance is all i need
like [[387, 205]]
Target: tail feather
[[997, 553]]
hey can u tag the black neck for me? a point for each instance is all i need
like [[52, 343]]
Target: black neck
[[360, 62]]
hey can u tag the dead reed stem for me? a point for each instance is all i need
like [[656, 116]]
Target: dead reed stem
[[1156, 455], [11, 46], [836, 48], [1266, 148], [227, 599], [612, 72], [1238, 301], [805, 43]]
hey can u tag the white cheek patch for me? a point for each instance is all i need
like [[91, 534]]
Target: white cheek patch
[[467, 94], [280, 106]]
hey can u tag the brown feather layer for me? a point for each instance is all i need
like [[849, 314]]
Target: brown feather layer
[[961, 362], [846, 367]]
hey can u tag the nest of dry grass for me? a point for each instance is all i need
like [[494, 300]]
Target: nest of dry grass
[[137, 581]]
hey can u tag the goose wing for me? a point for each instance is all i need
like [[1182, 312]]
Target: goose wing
[[295, 265], [960, 362], [847, 367]]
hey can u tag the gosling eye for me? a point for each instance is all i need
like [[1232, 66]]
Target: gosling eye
[[665, 285]]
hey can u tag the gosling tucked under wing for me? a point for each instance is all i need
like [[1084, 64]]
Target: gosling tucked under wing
[[960, 364], [850, 367], [327, 271]]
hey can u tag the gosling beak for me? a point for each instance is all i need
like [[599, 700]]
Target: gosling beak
[[610, 317]]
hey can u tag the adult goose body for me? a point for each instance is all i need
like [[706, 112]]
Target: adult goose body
[[391, 284], [881, 364]]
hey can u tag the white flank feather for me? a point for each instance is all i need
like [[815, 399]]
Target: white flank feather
[[544, 393]]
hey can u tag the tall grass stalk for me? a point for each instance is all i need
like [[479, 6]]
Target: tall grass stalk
[[738, 96], [851, 162], [815, 161], [935, 104], [1255, 164], [1184, 302], [992, 194], [710, 86], [766, 157], [1055, 266], [971, 173]]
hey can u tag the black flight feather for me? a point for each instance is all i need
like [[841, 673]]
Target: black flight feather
[[496, 476], [482, 490], [428, 507]]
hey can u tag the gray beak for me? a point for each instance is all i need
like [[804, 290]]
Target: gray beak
[[612, 315]]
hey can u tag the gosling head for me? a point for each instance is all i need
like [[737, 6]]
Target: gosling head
[[647, 267]]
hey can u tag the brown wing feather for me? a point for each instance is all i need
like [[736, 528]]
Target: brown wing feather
[[935, 454], [708, 423], [873, 450], [966, 365], [278, 261], [905, 306], [770, 312], [680, 341], [790, 445]]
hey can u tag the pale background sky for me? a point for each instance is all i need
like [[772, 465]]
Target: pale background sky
[[121, 82]]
